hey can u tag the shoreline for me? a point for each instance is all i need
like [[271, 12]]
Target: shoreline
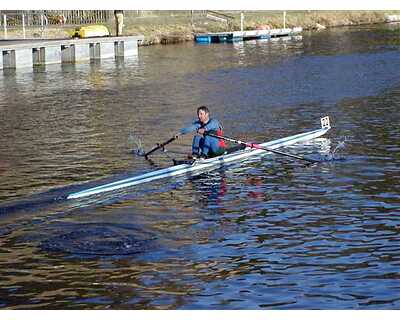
[[308, 21], [177, 29]]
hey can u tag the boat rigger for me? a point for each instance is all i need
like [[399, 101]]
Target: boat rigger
[[206, 164]]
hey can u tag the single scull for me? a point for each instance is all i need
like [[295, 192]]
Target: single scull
[[205, 164]]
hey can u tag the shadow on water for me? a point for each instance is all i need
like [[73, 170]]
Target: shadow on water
[[58, 196], [33, 203]]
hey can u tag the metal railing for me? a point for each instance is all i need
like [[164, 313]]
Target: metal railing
[[40, 19], [54, 17]]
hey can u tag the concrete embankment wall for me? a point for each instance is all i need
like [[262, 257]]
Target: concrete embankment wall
[[35, 53]]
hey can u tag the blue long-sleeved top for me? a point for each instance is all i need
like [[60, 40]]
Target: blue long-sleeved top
[[210, 145], [211, 125]]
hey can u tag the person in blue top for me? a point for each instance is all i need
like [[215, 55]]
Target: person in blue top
[[204, 146]]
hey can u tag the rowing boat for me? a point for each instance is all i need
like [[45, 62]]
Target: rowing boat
[[204, 164]]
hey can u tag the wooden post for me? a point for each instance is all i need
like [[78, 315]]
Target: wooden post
[[241, 21]]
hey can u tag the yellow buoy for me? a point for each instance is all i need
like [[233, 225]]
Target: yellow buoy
[[91, 31]]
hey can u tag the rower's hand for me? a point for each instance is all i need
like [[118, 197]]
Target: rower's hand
[[201, 131], [177, 135]]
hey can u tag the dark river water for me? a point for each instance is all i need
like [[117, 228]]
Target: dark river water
[[269, 233]]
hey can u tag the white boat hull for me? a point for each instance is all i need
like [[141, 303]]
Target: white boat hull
[[203, 165]]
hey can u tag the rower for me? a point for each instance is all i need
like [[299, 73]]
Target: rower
[[204, 146]]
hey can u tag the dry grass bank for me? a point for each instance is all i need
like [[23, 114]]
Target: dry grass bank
[[162, 30]]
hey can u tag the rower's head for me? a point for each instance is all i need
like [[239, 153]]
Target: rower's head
[[203, 114]]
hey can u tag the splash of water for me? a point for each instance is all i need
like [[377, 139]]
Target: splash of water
[[340, 145], [333, 156], [136, 144]]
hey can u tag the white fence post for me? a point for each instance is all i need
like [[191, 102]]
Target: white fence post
[[42, 25], [5, 26], [241, 21], [23, 26], [284, 19]]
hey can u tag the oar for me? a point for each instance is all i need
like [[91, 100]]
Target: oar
[[159, 146], [257, 146]]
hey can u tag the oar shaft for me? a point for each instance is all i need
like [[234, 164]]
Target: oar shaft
[[159, 146], [257, 146]]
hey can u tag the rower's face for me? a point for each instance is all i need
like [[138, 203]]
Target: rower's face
[[203, 116]]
